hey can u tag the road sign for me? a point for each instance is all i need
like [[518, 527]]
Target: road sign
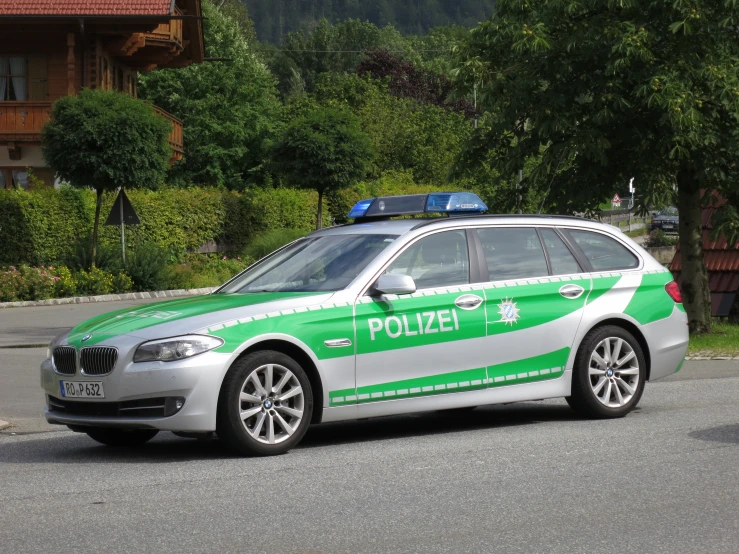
[[616, 201], [121, 214], [122, 211]]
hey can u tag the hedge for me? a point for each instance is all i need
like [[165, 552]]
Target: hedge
[[43, 226]]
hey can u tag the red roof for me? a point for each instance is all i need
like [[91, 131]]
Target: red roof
[[722, 261], [85, 7]]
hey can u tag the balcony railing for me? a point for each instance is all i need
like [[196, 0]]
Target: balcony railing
[[23, 121], [168, 32], [175, 139]]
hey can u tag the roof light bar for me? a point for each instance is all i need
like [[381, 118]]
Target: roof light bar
[[438, 202]]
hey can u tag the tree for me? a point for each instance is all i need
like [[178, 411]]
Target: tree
[[610, 90], [229, 108], [324, 150], [106, 140]]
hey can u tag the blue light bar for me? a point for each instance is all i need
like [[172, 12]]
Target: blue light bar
[[455, 202], [410, 204], [360, 208]]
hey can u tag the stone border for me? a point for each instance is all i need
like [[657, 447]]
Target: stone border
[[711, 356], [108, 297]]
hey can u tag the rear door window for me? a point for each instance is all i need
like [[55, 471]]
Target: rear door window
[[560, 257], [603, 252], [512, 252]]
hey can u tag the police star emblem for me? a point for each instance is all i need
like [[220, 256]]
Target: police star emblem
[[508, 311]]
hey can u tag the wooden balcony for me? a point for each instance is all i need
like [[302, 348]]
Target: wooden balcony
[[175, 139], [21, 123]]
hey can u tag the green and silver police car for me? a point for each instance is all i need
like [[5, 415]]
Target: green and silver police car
[[382, 316]]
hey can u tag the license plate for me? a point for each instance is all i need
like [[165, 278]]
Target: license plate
[[669, 226], [81, 389]]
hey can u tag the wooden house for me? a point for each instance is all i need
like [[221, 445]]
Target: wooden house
[[51, 48]]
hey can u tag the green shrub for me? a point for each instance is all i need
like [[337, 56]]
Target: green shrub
[[270, 241], [146, 265], [658, 238], [93, 282], [108, 257], [201, 270], [66, 285], [26, 283]]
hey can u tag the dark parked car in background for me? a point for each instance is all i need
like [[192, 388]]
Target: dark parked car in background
[[666, 219]]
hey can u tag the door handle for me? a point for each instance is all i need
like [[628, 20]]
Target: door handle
[[468, 302], [571, 291]]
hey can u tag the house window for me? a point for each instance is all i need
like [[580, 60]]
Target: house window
[[12, 78], [13, 177]]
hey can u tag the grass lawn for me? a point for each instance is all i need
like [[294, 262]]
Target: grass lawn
[[637, 232], [724, 340]]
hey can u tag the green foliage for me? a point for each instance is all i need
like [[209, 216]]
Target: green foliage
[[658, 238], [229, 108], [324, 150], [97, 281], [610, 91], [53, 226], [25, 282], [36, 227], [406, 136], [265, 244], [106, 140], [200, 271], [275, 18], [146, 264]]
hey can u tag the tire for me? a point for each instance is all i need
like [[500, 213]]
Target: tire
[[121, 437], [601, 390], [277, 418]]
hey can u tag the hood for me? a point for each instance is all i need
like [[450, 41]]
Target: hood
[[198, 311]]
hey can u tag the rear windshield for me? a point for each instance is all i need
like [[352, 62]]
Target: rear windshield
[[321, 264]]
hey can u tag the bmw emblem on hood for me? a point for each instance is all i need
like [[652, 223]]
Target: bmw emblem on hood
[[87, 337]]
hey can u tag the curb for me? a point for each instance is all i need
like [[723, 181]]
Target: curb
[[4, 424], [712, 357], [108, 298]]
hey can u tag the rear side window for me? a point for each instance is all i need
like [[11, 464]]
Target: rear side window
[[560, 257], [512, 253], [603, 252]]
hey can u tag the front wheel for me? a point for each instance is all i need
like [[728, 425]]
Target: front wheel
[[265, 404], [121, 437], [609, 374]]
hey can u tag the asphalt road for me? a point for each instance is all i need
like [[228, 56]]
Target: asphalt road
[[528, 477]]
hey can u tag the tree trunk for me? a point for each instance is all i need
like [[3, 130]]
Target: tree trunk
[[98, 204], [319, 219], [694, 277]]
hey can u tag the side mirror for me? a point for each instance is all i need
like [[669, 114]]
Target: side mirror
[[395, 283]]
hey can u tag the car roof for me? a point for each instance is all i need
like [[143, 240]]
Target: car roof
[[403, 226]]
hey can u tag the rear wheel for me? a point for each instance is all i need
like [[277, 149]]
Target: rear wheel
[[609, 374], [265, 404], [121, 437]]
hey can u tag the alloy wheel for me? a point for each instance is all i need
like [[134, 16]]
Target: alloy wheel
[[271, 404], [613, 372]]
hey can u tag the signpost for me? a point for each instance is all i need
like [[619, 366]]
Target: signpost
[[616, 201], [122, 213]]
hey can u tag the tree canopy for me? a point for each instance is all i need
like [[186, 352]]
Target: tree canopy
[[229, 108], [323, 150], [274, 19], [604, 91], [106, 140]]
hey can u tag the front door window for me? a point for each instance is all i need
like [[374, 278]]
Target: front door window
[[12, 78]]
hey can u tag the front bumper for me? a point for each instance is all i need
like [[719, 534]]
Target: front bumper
[[197, 380]]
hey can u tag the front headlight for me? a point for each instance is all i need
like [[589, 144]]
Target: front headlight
[[175, 348]]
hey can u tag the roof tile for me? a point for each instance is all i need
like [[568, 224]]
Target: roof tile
[[85, 7]]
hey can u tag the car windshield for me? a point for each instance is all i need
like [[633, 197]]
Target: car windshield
[[325, 263], [669, 211]]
